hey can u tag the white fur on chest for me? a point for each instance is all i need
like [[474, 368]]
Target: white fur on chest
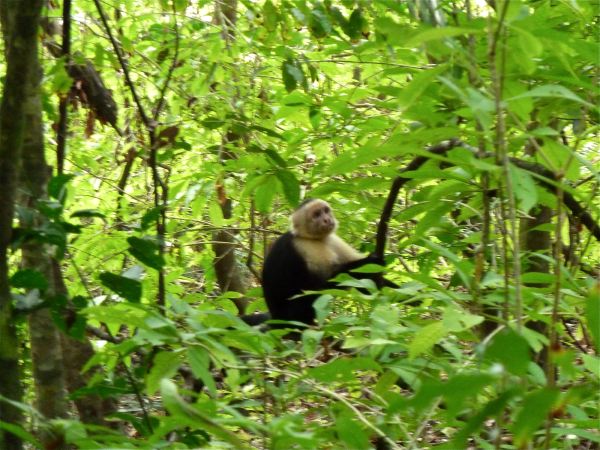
[[327, 255]]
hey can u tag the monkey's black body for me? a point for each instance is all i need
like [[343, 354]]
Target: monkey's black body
[[286, 275]]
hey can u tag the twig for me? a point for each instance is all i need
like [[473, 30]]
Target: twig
[[61, 133], [386, 214]]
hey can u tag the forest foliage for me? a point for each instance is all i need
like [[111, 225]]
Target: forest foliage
[[460, 137]]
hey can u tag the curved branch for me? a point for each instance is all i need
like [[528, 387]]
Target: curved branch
[[386, 214], [163, 91], [546, 177]]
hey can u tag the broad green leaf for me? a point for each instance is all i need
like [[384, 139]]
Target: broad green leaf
[[212, 123], [150, 217], [88, 213], [460, 388], [342, 369], [291, 186], [536, 408], [552, 91], [420, 82], [292, 74], [559, 158], [130, 290], [164, 365], [215, 213], [357, 24], [350, 431], [146, 251], [524, 188], [265, 192], [426, 338], [517, 359], [319, 23], [592, 363], [29, 279], [530, 45], [193, 417], [592, 313], [271, 15], [57, 186], [491, 409], [20, 432], [199, 360], [456, 319], [580, 433]]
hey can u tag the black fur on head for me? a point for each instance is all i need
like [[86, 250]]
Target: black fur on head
[[305, 202]]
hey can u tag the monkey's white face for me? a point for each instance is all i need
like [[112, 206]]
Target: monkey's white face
[[315, 220]]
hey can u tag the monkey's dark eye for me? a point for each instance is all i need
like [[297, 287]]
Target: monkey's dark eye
[[316, 214], [326, 210]]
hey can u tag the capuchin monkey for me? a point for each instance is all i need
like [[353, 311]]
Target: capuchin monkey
[[305, 259]]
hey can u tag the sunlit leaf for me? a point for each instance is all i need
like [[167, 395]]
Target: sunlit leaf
[[127, 288], [426, 338], [536, 408], [517, 359]]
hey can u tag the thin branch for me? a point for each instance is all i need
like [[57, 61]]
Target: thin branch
[[172, 67], [386, 214], [119, 52], [61, 133]]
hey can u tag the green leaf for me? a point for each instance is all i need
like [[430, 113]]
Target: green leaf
[[319, 23], [559, 158], [292, 74], [426, 338], [61, 80], [357, 25], [350, 431], [592, 313], [29, 279], [592, 363], [146, 251], [130, 290], [193, 417], [271, 15], [164, 365], [524, 188], [342, 369], [199, 360], [530, 44], [57, 187], [150, 217], [536, 407], [552, 91], [20, 432], [265, 192], [462, 387], [88, 213], [420, 82], [517, 359], [212, 123], [291, 186]]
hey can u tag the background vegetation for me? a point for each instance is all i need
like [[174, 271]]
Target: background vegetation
[[180, 135]]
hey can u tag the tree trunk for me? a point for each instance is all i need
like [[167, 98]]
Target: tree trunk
[[536, 242], [230, 275], [46, 350], [20, 49]]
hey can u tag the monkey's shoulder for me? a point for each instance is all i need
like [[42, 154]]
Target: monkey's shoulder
[[325, 256]]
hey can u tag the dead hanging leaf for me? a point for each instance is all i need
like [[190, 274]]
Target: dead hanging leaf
[[167, 135], [92, 92], [89, 124]]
